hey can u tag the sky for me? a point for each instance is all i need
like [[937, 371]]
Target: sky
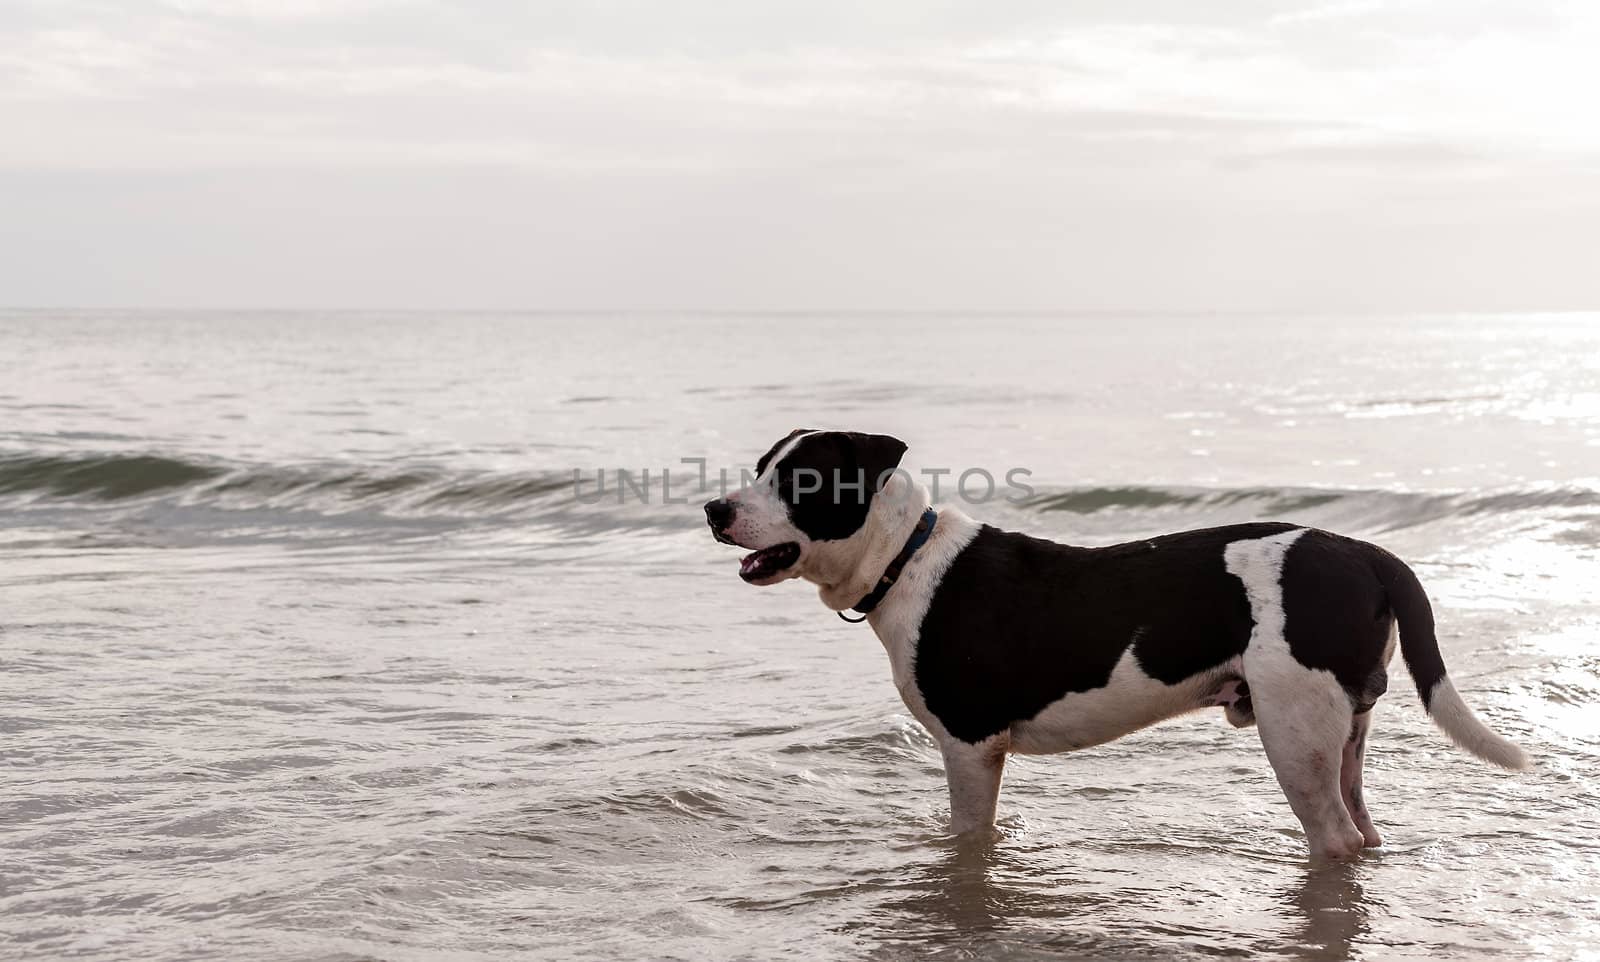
[[1227, 155]]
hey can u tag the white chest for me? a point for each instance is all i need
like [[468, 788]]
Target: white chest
[[898, 620]]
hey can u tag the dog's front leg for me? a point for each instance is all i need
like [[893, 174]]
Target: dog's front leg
[[974, 771]]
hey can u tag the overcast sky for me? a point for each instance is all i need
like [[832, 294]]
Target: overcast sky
[[897, 154]]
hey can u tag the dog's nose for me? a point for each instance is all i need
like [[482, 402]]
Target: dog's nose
[[719, 513]]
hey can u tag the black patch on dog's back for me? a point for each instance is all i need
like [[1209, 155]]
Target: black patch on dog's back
[[1018, 622]]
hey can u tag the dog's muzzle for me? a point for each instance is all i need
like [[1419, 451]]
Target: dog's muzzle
[[759, 566], [719, 515]]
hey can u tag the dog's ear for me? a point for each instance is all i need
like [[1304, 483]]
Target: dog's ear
[[876, 454], [772, 452]]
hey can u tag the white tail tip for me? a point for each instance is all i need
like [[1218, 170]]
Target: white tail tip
[[1452, 714]]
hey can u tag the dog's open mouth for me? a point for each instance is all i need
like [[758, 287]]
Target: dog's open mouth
[[767, 562]]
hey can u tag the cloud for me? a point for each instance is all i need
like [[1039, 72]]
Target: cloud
[[206, 81], [1032, 153]]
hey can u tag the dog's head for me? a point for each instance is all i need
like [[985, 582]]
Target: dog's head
[[812, 497]]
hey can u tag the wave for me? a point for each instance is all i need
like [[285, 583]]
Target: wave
[[303, 493], [100, 477], [126, 477], [1288, 500], [1564, 514]]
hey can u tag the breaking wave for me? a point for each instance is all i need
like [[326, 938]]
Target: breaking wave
[[415, 490], [1416, 507], [304, 493]]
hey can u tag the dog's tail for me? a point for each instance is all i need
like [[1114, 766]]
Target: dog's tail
[[1420, 647]]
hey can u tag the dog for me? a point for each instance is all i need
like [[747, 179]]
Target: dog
[[1002, 643]]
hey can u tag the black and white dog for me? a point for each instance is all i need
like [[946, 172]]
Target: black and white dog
[[1003, 643]]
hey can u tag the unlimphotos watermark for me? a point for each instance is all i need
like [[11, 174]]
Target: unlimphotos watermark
[[973, 485]]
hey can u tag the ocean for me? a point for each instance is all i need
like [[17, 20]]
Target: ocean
[[319, 638]]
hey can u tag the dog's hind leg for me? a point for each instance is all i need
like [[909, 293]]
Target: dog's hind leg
[[1355, 754], [974, 772], [1303, 714], [1305, 721]]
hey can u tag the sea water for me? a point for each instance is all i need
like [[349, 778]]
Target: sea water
[[318, 641]]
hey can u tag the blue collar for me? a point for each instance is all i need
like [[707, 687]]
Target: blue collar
[[891, 574]]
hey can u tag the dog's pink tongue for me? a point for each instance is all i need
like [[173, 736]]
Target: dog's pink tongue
[[750, 562]]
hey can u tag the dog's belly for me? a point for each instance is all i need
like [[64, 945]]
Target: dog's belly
[[1130, 700]]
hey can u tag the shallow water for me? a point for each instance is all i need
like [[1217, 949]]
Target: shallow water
[[311, 650]]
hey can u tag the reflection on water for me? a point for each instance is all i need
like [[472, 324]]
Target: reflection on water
[[979, 898], [1330, 907], [988, 898]]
